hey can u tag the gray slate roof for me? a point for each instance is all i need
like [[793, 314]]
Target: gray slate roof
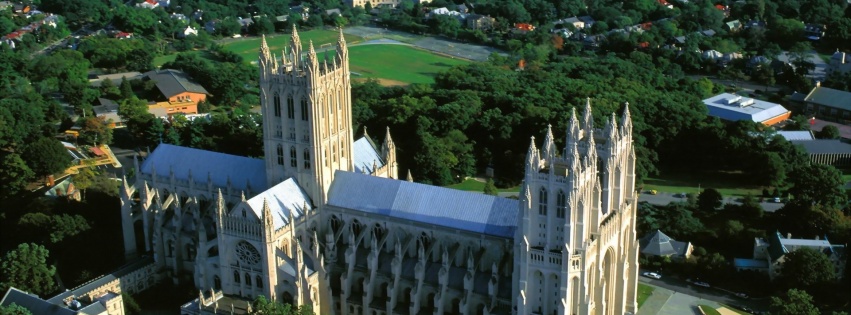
[[659, 244], [33, 303], [468, 211], [219, 166], [830, 98], [824, 146], [171, 82], [365, 155], [285, 200]]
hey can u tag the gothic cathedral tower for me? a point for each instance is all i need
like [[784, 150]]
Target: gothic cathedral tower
[[307, 115], [575, 245]]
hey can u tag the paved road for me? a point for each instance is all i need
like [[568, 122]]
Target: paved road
[[672, 287], [819, 73], [666, 198]]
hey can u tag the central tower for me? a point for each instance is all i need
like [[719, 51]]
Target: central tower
[[305, 100]]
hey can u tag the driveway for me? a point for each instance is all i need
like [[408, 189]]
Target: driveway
[[819, 73], [676, 297], [666, 198], [432, 43]]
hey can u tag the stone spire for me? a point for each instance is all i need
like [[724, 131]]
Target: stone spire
[[388, 145], [265, 55], [342, 49], [588, 119], [612, 129], [311, 57], [573, 131], [295, 47], [532, 157], [268, 220], [626, 121], [410, 178], [548, 151]]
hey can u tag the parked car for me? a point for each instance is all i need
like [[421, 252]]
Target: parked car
[[702, 284], [653, 192], [652, 275], [778, 200], [742, 295], [680, 195]]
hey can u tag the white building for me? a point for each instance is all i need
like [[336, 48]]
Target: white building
[[323, 220]]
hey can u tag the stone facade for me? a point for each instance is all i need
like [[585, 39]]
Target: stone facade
[[568, 248]]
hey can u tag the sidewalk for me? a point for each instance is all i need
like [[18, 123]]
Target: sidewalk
[[654, 304]]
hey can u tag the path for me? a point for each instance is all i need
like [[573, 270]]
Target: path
[[435, 44], [656, 301]]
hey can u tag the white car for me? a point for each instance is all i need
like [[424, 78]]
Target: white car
[[702, 284], [652, 275]]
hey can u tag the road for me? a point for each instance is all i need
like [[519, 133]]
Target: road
[[719, 295], [666, 198], [819, 73]]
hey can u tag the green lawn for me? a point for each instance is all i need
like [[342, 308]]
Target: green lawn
[[477, 186], [398, 64], [644, 292], [248, 47], [708, 310], [729, 184]]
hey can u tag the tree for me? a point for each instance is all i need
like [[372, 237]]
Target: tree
[[126, 89], [490, 188], [796, 302], [806, 267], [95, 131], [817, 184], [266, 307], [46, 156], [14, 173], [14, 309], [709, 200], [130, 304], [26, 268], [828, 132], [84, 179]]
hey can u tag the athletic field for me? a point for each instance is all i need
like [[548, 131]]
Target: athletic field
[[398, 64]]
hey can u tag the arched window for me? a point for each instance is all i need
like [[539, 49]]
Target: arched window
[[236, 276], [293, 161], [542, 201], [217, 283], [280, 154], [334, 153], [247, 279], [258, 281], [277, 105], [290, 107], [561, 204], [306, 159], [304, 109], [170, 248]]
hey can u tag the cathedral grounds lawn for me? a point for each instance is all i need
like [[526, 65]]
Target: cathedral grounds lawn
[[644, 292], [398, 64], [728, 184]]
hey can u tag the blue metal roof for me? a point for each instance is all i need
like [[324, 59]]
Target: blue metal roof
[[365, 155], [220, 166], [283, 199], [749, 263], [451, 208]]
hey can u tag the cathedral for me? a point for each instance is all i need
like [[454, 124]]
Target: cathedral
[[323, 220]]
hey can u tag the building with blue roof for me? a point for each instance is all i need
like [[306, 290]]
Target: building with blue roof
[[732, 107], [324, 220], [769, 253]]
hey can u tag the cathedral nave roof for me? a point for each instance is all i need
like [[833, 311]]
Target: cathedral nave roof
[[285, 199], [365, 155], [468, 211], [220, 167]]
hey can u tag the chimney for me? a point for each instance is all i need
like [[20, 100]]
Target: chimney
[[788, 235], [818, 83], [816, 237]]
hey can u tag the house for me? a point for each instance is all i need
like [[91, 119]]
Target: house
[[659, 244], [814, 31], [462, 8], [839, 63], [189, 30], [708, 33], [108, 111], [180, 94], [5, 5], [148, 4], [333, 11], [164, 3], [245, 23], [575, 21], [179, 17], [665, 3], [210, 26], [731, 107], [713, 55], [770, 253], [723, 8], [20, 8], [826, 103], [523, 27], [733, 26], [479, 22], [198, 15], [755, 24], [64, 189], [588, 20], [123, 35]]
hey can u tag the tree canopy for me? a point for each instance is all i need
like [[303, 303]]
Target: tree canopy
[[795, 302], [46, 156], [806, 267], [26, 268]]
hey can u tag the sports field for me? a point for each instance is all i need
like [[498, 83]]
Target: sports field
[[398, 64]]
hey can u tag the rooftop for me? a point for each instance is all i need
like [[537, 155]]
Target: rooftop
[[366, 155], [830, 98], [285, 200], [468, 211], [172, 82], [220, 167], [734, 108], [825, 146], [33, 303], [796, 135]]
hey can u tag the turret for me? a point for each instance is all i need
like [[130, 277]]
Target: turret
[[295, 47], [626, 122], [548, 149], [588, 119], [532, 158]]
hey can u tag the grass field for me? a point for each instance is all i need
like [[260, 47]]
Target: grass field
[[728, 184], [248, 47], [708, 310], [398, 63], [644, 292]]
